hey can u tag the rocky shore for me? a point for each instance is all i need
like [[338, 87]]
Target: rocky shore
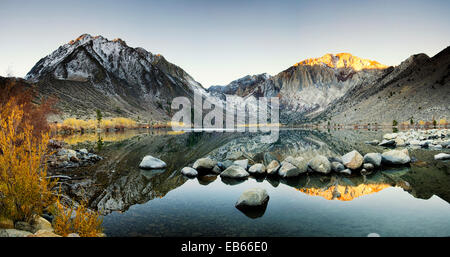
[[61, 158], [65, 158], [38, 227], [348, 164], [433, 139]]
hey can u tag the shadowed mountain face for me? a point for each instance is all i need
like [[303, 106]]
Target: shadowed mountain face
[[95, 73]]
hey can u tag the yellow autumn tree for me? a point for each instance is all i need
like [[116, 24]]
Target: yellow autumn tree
[[25, 189], [80, 220]]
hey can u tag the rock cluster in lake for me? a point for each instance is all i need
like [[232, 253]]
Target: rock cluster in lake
[[434, 139], [295, 166]]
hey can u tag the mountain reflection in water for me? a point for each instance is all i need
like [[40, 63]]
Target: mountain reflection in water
[[116, 184]]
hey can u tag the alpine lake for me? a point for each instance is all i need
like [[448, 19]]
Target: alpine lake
[[407, 201]]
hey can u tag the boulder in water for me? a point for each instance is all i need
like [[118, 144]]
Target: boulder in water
[[258, 169], [204, 164], [396, 157], [252, 198], [150, 162], [273, 167], [320, 164], [241, 163], [287, 169], [188, 171], [235, 172], [352, 160], [373, 158]]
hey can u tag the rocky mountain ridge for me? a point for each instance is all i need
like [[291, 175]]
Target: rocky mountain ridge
[[310, 85], [93, 72], [416, 90]]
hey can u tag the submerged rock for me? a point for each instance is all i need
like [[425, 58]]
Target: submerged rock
[[188, 171], [258, 168], [442, 156], [204, 164], [352, 160], [273, 167], [320, 164], [373, 158], [234, 171], [252, 198], [150, 162], [396, 157]]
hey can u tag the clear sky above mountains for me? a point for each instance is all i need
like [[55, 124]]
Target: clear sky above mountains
[[219, 41]]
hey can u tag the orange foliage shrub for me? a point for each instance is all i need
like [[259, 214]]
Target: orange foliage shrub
[[20, 93], [24, 188], [86, 223]]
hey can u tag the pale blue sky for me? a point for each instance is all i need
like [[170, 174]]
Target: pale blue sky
[[219, 41]]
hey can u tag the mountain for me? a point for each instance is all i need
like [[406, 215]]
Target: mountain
[[241, 87], [345, 89], [92, 72], [417, 89], [308, 86]]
